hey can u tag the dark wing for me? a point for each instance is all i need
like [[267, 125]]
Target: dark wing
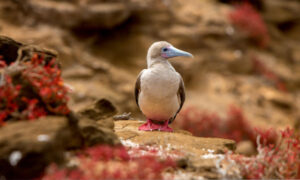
[[137, 88], [181, 98]]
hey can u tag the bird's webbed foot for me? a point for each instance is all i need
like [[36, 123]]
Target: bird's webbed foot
[[150, 126]]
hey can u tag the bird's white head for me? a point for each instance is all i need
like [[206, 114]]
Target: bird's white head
[[162, 50]]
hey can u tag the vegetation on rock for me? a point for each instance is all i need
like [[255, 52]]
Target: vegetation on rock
[[248, 20], [107, 162], [273, 161], [29, 90], [235, 126]]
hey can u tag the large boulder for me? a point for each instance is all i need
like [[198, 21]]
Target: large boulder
[[28, 147], [200, 155]]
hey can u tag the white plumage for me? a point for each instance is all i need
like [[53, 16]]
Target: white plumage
[[158, 98], [159, 89]]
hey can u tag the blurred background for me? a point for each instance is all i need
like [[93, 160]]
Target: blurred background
[[246, 54]]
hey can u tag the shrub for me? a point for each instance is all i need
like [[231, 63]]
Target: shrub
[[29, 90], [235, 126], [248, 20], [106, 162], [273, 161]]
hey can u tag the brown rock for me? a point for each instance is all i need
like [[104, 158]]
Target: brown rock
[[79, 72], [73, 15], [200, 153], [246, 148], [278, 11], [28, 147], [179, 139], [96, 123], [101, 109], [9, 49], [12, 50], [124, 116], [97, 133], [278, 98]]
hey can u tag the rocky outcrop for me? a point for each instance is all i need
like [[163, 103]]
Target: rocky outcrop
[[81, 15], [96, 123], [199, 155], [28, 147], [11, 51]]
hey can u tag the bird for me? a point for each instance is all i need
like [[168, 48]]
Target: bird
[[159, 89]]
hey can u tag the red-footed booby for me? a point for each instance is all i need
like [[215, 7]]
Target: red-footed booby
[[159, 89]]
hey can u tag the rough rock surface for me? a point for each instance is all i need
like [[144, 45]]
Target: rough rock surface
[[101, 109], [104, 61], [96, 123], [199, 154], [28, 147], [11, 50], [70, 15]]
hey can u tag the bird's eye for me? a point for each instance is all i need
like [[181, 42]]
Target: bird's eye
[[165, 49]]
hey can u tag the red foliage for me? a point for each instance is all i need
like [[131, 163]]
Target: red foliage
[[48, 83], [280, 161], [8, 94], [106, 153], [33, 110], [235, 126], [47, 93], [262, 69], [247, 19], [106, 162]]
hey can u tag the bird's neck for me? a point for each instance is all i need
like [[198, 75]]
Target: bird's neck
[[158, 62]]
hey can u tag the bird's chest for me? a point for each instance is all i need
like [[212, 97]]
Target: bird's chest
[[159, 84]]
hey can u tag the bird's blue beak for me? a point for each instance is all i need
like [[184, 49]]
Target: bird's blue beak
[[171, 51]]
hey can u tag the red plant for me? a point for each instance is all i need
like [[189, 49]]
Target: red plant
[[8, 94], [33, 111], [36, 91], [280, 161], [235, 126], [106, 162], [47, 82], [247, 19], [262, 69]]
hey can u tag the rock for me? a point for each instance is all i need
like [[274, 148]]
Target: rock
[[246, 148], [73, 15], [101, 109], [78, 72], [238, 62], [97, 133], [183, 141], [278, 11], [124, 116], [12, 50], [278, 98], [26, 148], [9, 49], [200, 153], [26, 52], [96, 123], [187, 69]]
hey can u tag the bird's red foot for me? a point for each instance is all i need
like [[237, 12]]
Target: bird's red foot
[[165, 127], [150, 126]]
